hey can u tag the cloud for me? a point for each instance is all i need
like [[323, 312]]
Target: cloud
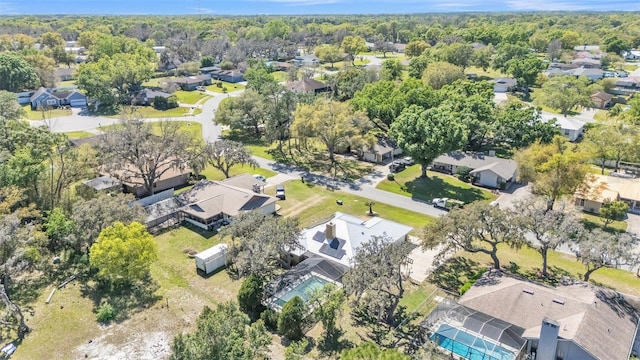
[[547, 5], [302, 2]]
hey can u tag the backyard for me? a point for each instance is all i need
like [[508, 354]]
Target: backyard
[[435, 185]]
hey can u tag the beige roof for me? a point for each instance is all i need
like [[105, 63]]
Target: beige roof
[[306, 85], [599, 320], [210, 198], [604, 188], [128, 174]]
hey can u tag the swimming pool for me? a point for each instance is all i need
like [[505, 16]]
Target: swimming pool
[[468, 345], [303, 289]]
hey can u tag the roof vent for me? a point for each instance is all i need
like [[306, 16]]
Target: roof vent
[[527, 291], [558, 301]]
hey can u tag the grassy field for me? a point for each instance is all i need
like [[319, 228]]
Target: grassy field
[[591, 221], [314, 203], [409, 183], [190, 97], [212, 173], [67, 325], [155, 82], [279, 76], [68, 83], [601, 115], [48, 114], [148, 112], [79, 134], [491, 73], [193, 128], [229, 86]]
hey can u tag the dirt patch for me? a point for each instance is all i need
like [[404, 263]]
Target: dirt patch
[[150, 345], [299, 208]]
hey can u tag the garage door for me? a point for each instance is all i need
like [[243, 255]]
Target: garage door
[[78, 103]]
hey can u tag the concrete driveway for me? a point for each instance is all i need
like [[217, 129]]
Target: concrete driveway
[[515, 193], [633, 224], [422, 261]]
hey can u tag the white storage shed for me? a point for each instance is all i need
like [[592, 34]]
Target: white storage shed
[[212, 259]]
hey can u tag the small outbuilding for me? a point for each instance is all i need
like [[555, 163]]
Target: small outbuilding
[[212, 259]]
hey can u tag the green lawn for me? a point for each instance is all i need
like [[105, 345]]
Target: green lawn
[[79, 134], [529, 263], [630, 68], [68, 83], [212, 173], [279, 76], [257, 147], [409, 183], [190, 97], [193, 128], [155, 82], [359, 62], [225, 85], [48, 114], [592, 221], [491, 73], [314, 203], [148, 112], [601, 115]]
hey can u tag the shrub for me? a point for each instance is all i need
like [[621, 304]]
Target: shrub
[[270, 318], [291, 321], [106, 313], [465, 287], [463, 173], [225, 90], [391, 177], [250, 295], [219, 84]]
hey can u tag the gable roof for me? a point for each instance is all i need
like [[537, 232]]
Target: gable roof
[[479, 162], [601, 321], [603, 188], [565, 123], [56, 94], [191, 79], [210, 198], [306, 85], [350, 233]]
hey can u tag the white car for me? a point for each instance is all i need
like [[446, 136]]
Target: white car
[[259, 177]]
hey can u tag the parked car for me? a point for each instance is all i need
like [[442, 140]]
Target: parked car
[[396, 166], [259, 177], [280, 192], [408, 161], [447, 204]]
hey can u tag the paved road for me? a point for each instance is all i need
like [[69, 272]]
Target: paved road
[[76, 122]]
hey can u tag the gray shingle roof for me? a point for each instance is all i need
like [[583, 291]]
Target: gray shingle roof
[[505, 168]]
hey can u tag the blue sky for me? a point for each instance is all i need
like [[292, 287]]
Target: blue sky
[[287, 7]]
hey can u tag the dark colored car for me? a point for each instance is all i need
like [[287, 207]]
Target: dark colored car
[[280, 192], [396, 166]]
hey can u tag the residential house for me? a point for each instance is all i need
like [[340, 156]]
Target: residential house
[[627, 86], [590, 73], [307, 86], [505, 317], [588, 55], [384, 150], [590, 48], [210, 202], [587, 63], [24, 97], [503, 85], [601, 189], [486, 170], [569, 127], [562, 66], [209, 69], [279, 65], [400, 48], [50, 98], [306, 60], [64, 74], [159, 49], [75, 49], [191, 83], [146, 96], [174, 173], [602, 100], [338, 238], [230, 76]]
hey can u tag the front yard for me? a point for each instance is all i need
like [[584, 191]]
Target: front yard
[[44, 115], [191, 97], [230, 87], [148, 112], [409, 183]]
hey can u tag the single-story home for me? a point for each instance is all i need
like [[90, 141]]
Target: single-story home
[[602, 99], [230, 76], [64, 74], [306, 60], [592, 48], [586, 63], [279, 65], [308, 86], [631, 55], [562, 66], [190, 83], [174, 173], [400, 48], [591, 74], [626, 86], [383, 150], [601, 189], [503, 85], [49, 98], [24, 97], [210, 202], [209, 69], [569, 127], [486, 170], [339, 238], [505, 317], [146, 96]]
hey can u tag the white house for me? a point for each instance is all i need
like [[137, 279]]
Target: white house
[[502, 85], [383, 150], [339, 238], [569, 127]]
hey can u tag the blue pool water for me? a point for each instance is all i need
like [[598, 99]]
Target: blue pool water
[[303, 290], [469, 346]]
